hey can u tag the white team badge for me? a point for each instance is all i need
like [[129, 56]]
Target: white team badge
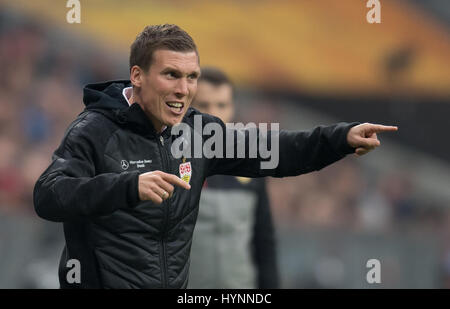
[[186, 171]]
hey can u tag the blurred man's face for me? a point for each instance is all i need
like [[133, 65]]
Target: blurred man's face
[[167, 89], [215, 100]]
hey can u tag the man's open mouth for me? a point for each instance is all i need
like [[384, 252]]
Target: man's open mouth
[[175, 106]]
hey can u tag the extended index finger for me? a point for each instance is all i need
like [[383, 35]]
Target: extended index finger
[[382, 128], [170, 178]]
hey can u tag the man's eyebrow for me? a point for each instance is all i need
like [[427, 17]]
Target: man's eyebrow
[[196, 73], [169, 68]]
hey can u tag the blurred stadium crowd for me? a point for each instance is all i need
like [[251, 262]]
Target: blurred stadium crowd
[[40, 95], [323, 219]]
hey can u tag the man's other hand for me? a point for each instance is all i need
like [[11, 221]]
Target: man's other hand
[[363, 137], [157, 186]]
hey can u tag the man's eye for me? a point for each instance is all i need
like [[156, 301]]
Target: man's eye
[[222, 105], [171, 74]]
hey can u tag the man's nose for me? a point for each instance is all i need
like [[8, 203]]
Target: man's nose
[[182, 89]]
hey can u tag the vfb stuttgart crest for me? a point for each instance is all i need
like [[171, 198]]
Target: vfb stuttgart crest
[[186, 171]]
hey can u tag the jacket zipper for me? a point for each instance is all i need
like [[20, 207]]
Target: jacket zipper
[[166, 204]]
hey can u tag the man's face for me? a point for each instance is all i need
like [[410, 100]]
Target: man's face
[[215, 100], [167, 89]]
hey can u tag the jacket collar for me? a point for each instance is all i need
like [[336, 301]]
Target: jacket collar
[[135, 118], [107, 98]]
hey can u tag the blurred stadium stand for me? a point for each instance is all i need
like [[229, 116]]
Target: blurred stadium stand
[[299, 63]]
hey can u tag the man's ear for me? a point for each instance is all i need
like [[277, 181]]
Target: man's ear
[[136, 76]]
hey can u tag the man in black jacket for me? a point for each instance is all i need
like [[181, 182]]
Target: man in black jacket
[[128, 218]]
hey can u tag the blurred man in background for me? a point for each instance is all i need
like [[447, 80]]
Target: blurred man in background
[[234, 243]]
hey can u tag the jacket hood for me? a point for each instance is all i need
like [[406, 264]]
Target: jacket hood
[[106, 95], [107, 98]]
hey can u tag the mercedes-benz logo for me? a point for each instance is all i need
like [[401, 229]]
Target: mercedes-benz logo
[[125, 164]]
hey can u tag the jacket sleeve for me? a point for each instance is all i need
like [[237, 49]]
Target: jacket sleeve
[[264, 242], [70, 188], [298, 152]]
